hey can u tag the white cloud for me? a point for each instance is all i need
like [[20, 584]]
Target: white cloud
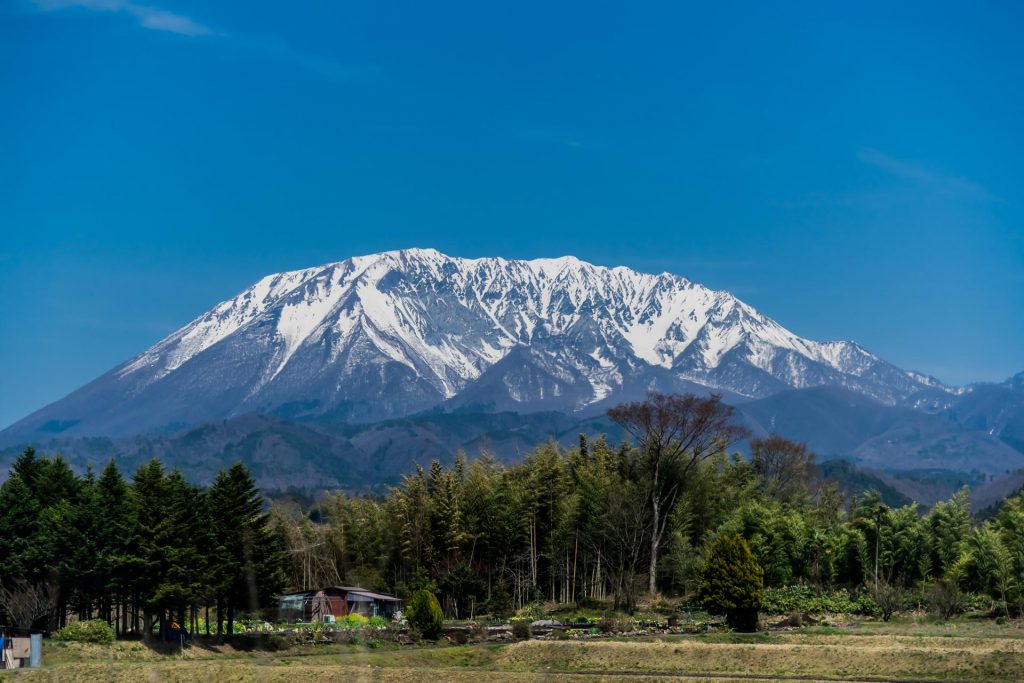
[[157, 19], [923, 175], [148, 16]]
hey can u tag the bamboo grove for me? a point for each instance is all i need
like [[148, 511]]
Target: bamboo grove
[[575, 525]]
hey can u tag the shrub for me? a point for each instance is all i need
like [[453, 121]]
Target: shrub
[[866, 605], [353, 620], [733, 583], [377, 622], [93, 631], [945, 598], [888, 597], [624, 625], [521, 629], [807, 600], [424, 614], [500, 602], [977, 602]]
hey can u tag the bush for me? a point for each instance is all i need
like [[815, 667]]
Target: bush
[[521, 629], [889, 598], [866, 605], [807, 600], [945, 598], [733, 583], [500, 602], [424, 614], [353, 620], [977, 602], [94, 631], [377, 622]]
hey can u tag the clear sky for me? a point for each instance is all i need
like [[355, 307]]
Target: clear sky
[[854, 172]]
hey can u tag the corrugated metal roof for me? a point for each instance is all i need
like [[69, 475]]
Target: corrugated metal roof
[[375, 596], [384, 597]]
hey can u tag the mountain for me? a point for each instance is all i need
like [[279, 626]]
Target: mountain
[[393, 334], [924, 454], [290, 456]]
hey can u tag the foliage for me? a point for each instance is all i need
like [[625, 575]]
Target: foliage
[[155, 545], [521, 629], [808, 600], [353, 620], [424, 614], [566, 525], [377, 622], [91, 631], [733, 583]]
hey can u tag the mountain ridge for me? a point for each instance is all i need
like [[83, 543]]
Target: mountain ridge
[[392, 334]]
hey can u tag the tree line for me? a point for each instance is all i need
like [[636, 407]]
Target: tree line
[[614, 522], [592, 523], [136, 553]]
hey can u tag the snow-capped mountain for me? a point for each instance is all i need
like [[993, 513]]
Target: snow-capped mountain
[[394, 333]]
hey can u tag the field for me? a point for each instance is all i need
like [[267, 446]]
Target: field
[[866, 651]]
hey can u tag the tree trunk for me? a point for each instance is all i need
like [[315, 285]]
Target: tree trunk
[[231, 621], [147, 625], [655, 538], [220, 620]]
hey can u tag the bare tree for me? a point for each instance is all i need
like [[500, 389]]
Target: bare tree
[[673, 433], [785, 467], [311, 562], [25, 602], [624, 525]]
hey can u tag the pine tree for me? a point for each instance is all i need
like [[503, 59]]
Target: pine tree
[[246, 565], [147, 560], [116, 510], [19, 524]]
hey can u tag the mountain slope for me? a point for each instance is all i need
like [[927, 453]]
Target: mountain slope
[[391, 334], [285, 455]]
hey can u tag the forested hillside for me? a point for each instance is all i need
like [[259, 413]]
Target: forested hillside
[[592, 523]]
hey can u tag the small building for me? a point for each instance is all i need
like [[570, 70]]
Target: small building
[[335, 602]]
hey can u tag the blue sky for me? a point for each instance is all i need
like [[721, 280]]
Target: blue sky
[[854, 172]]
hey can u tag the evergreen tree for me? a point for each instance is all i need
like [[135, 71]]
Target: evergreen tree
[[116, 512], [733, 583], [19, 524], [148, 560], [424, 614], [246, 565]]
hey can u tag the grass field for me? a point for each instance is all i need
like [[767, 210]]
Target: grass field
[[868, 651]]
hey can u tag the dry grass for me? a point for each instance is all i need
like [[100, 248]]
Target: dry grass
[[824, 656], [959, 651], [252, 672]]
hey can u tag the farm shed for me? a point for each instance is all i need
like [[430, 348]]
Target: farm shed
[[334, 602]]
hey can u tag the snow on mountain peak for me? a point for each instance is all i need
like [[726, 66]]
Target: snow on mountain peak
[[446, 328]]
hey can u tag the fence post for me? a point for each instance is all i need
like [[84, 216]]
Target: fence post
[[35, 652]]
